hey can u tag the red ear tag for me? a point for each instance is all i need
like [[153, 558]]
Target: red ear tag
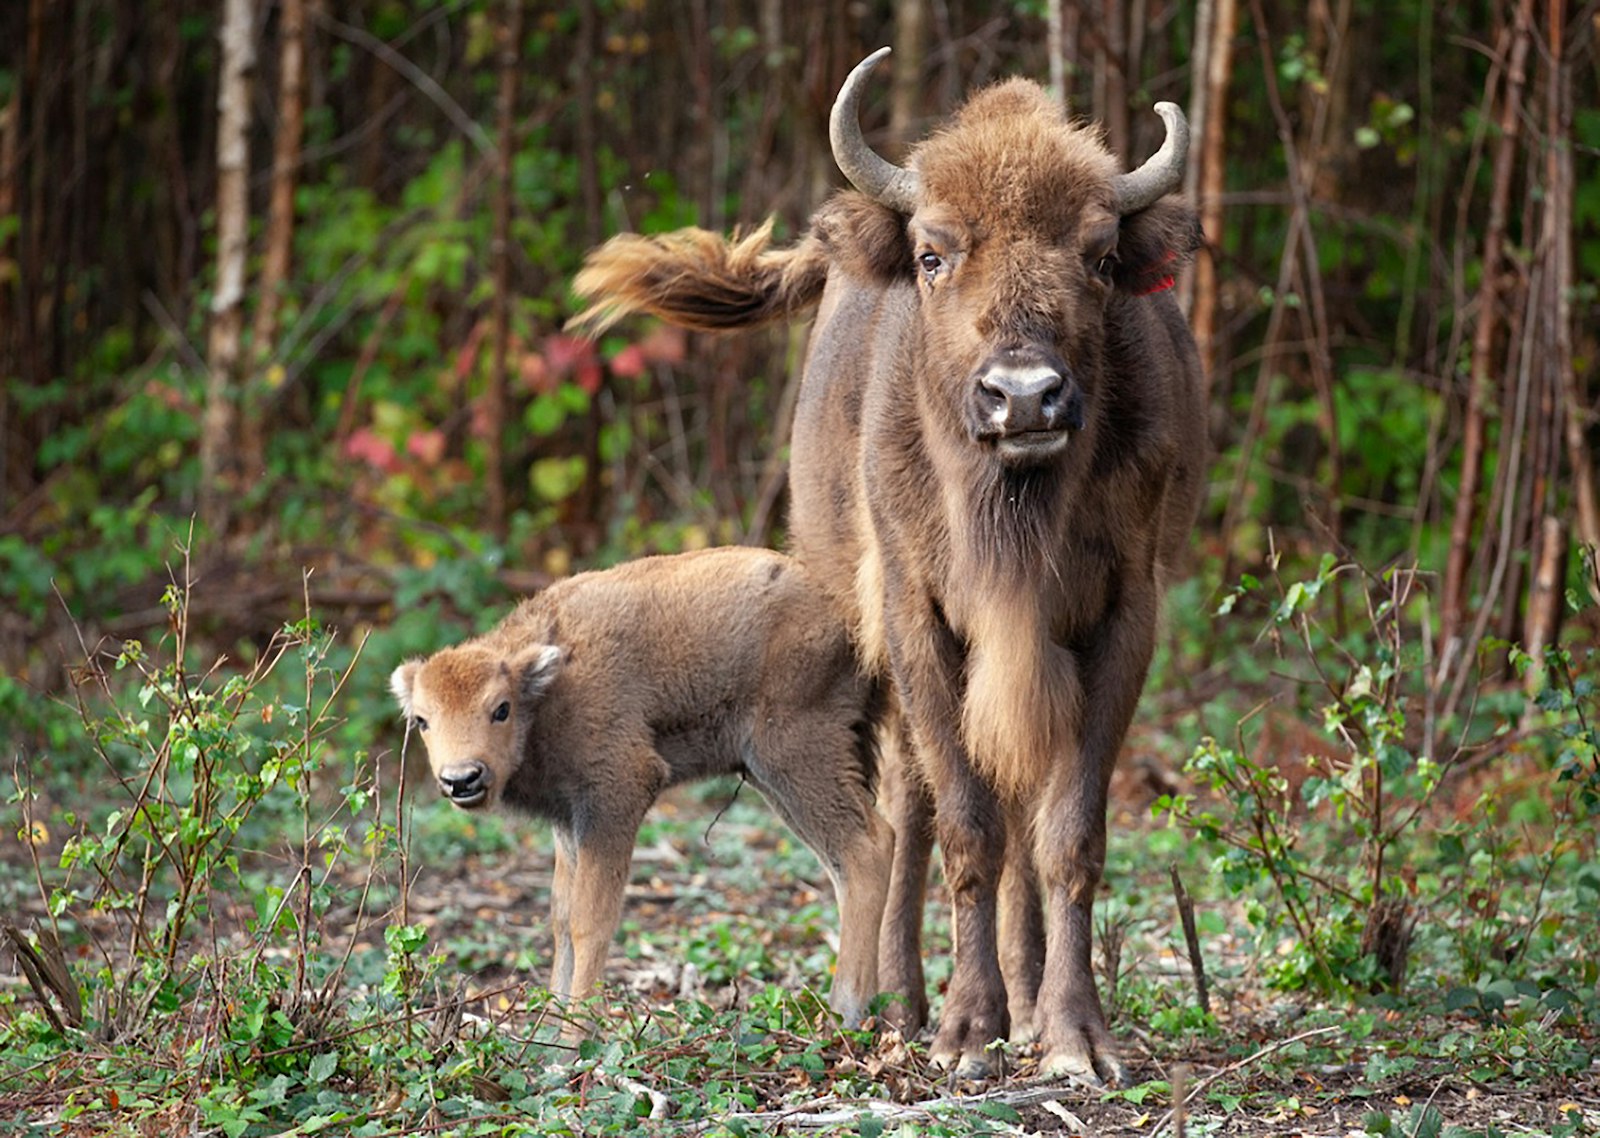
[[1158, 283]]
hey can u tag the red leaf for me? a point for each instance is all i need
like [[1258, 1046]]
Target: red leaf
[[565, 353], [665, 344], [427, 447], [366, 445], [589, 375], [630, 363], [535, 373]]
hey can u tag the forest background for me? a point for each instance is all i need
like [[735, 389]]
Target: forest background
[[282, 370]]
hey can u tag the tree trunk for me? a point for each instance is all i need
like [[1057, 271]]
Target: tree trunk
[[218, 467], [280, 227], [1114, 30], [1055, 48], [10, 358], [1480, 384], [590, 497], [910, 54], [494, 397], [1559, 201], [1212, 117]]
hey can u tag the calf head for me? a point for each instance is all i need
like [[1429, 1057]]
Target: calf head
[[1019, 232], [472, 706]]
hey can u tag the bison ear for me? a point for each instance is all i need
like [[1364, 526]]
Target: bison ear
[[401, 681], [1154, 244], [536, 668], [866, 239]]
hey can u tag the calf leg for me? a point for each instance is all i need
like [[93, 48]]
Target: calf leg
[[598, 852], [561, 913], [599, 876]]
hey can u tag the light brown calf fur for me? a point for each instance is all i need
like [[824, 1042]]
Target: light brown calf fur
[[593, 697]]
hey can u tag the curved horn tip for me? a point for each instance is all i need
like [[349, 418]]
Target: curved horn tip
[[1162, 172], [1172, 114], [880, 180], [872, 60]]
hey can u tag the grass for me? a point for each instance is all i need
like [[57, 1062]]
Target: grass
[[228, 920]]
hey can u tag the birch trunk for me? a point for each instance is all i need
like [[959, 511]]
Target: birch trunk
[[218, 461]]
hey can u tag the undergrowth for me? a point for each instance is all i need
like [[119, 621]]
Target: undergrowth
[[227, 942]]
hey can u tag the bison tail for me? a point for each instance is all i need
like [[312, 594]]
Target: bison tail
[[699, 280]]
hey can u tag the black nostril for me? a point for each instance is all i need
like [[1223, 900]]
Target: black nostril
[[993, 393]]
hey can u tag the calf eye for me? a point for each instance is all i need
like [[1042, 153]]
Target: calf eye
[[419, 723], [501, 713], [930, 262]]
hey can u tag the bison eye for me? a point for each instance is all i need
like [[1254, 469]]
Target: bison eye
[[419, 723], [1106, 266], [931, 262], [501, 713]]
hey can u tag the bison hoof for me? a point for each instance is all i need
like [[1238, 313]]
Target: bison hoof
[[1081, 1063], [970, 1064]]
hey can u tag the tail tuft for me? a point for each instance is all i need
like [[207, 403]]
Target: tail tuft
[[699, 280]]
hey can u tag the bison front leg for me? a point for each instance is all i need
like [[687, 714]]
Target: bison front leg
[[909, 807], [1070, 848], [970, 827], [1022, 934]]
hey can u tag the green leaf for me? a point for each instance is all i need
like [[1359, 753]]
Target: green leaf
[[322, 1067]]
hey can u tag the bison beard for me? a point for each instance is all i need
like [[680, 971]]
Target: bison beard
[[997, 453]]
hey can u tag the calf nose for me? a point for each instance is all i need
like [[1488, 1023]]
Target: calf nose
[[1030, 397], [466, 784]]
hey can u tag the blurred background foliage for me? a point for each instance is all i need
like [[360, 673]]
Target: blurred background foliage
[[1396, 303]]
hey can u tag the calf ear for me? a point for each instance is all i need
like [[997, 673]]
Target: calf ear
[[400, 683], [536, 668], [1154, 244]]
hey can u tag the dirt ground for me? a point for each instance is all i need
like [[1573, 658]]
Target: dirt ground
[[1239, 1081]]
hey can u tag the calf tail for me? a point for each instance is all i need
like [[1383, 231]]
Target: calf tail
[[699, 280]]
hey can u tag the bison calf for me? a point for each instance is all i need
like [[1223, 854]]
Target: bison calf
[[593, 697]]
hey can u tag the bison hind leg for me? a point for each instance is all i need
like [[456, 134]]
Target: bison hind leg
[[812, 776]]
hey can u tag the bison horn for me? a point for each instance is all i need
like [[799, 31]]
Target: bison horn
[[881, 180], [1162, 172]]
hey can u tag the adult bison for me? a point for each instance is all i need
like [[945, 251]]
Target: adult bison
[[998, 447]]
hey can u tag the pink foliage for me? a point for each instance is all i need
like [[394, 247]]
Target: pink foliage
[[630, 363], [665, 344], [366, 445], [427, 447], [571, 355]]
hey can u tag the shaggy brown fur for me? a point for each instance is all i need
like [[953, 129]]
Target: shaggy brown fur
[[593, 697], [1000, 559]]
